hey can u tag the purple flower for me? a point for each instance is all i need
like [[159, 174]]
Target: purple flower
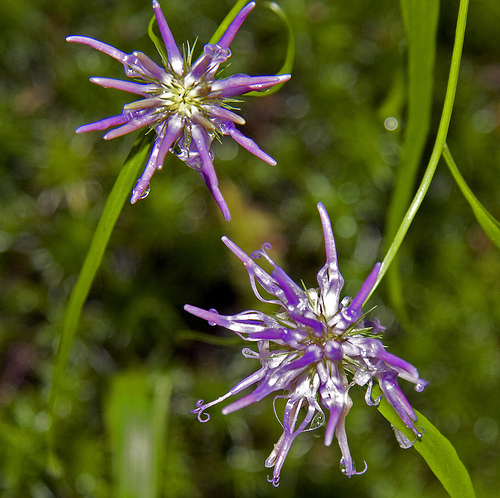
[[312, 351], [183, 102]]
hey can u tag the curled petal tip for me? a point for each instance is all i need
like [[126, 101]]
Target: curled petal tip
[[77, 38]]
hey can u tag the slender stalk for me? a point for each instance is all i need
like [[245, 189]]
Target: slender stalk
[[438, 145], [78, 296]]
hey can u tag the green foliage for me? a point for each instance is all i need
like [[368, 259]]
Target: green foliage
[[420, 21], [126, 339], [437, 451], [136, 413], [489, 224]]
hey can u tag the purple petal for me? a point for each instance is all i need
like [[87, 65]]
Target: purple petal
[[208, 174], [199, 136], [144, 104], [136, 64], [132, 125], [294, 338], [141, 65], [207, 64], [233, 28], [278, 378], [103, 124], [163, 142], [221, 112], [257, 325], [126, 86], [254, 272], [329, 277], [353, 311], [242, 83], [228, 128], [333, 397], [251, 379], [278, 456], [175, 125], [392, 392], [98, 45], [406, 370], [371, 353], [174, 56], [151, 166]]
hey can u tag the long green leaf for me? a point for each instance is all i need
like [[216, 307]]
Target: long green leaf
[[438, 144], [490, 225], [114, 204], [435, 449], [136, 414], [420, 22]]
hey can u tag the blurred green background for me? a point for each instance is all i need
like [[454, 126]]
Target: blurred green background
[[123, 426]]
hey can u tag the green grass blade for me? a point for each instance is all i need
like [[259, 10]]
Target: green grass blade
[[114, 204], [435, 449], [136, 414], [420, 22], [438, 144], [490, 225]]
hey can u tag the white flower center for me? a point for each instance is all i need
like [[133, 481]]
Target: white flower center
[[183, 99]]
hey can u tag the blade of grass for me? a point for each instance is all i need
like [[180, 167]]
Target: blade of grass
[[438, 144], [490, 225], [420, 22], [114, 204], [136, 414], [435, 449]]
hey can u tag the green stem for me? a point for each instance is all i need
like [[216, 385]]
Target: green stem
[[438, 145], [489, 224], [114, 204], [435, 449]]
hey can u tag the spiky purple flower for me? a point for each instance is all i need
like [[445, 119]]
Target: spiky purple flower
[[313, 351], [183, 102]]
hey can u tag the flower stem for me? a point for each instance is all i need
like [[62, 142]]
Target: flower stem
[[438, 145]]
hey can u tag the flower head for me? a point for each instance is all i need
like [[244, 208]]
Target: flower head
[[311, 352], [183, 102]]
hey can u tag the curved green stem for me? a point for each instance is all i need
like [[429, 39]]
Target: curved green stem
[[438, 145], [78, 296]]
